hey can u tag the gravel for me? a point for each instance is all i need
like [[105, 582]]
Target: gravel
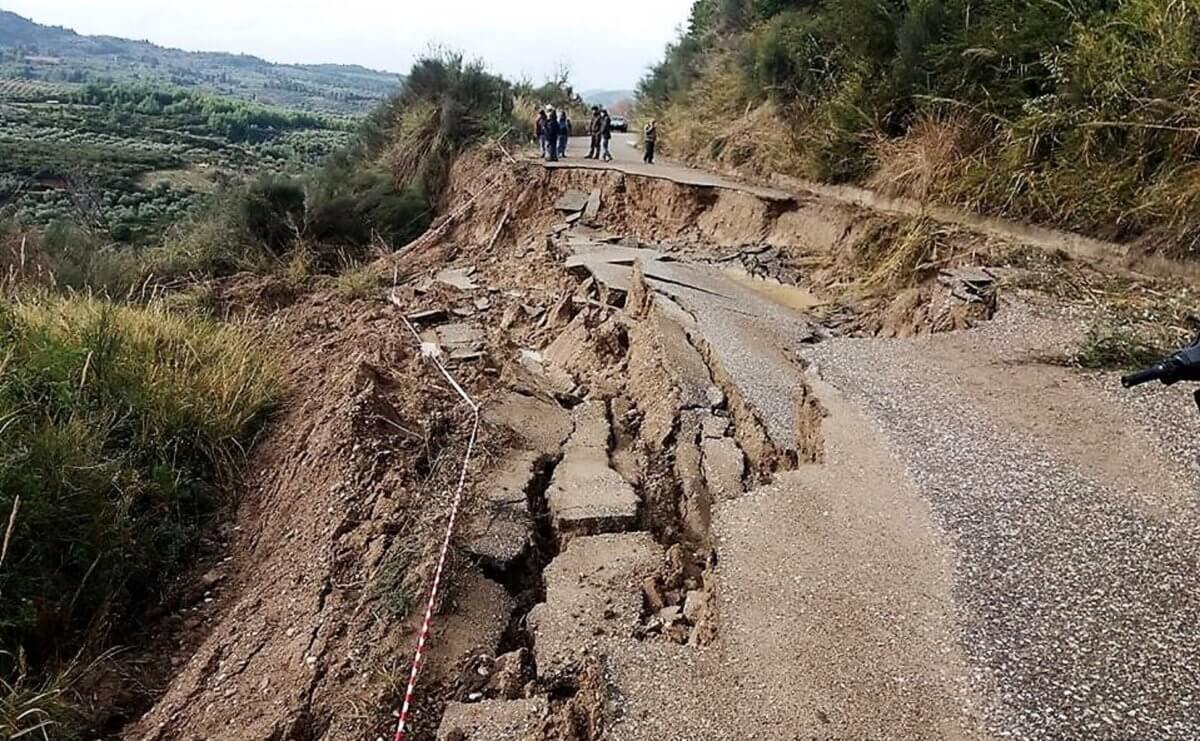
[[1082, 607]]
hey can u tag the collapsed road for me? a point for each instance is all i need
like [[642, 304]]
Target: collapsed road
[[731, 489], [923, 550]]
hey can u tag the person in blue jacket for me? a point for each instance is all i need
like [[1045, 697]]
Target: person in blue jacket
[[564, 133]]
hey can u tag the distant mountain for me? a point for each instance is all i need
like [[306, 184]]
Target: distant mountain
[[31, 51], [606, 98]]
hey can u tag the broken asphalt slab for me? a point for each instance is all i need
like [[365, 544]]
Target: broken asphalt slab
[[459, 278], [593, 596], [540, 425], [572, 201], [586, 495], [501, 530], [492, 720]]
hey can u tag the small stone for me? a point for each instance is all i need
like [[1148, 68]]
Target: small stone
[[654, 598], [678, 634], [670, 615], [693, 605]]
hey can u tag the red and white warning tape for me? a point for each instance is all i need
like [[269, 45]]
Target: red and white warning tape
[[423, 640]]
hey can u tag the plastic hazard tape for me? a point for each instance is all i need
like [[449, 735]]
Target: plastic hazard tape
[[435, 589]]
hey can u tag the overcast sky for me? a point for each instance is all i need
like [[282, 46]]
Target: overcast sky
[[608, 44]]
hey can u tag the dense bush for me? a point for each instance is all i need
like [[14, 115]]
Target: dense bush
[[446, 105], [1084, 114], [272, 208], [115, 425]]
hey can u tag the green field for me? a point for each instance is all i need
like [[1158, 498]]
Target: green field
[[131, 159]]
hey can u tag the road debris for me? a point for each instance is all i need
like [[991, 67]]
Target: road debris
[[460, 278], [572, 201]]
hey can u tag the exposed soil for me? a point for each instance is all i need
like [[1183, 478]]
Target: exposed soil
[[301, 621]]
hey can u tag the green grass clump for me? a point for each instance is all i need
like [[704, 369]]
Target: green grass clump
[[118, 427], [358, 281], [43, 708], [1116, 348]]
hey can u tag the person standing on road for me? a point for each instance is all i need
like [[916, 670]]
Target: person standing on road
[[539, 129], [595, 130], [606, 134], [650, 135], [551, 134], [564, 133]]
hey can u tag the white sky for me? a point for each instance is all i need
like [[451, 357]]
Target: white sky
[[606, 43]]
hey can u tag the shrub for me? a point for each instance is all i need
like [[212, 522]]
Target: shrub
[[358, 281], [118, 426], [1117, 348], [83, 260], [447, 104], [272, 209], [356, 205]]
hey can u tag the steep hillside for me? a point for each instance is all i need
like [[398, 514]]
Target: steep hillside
[[607, 98], [1083, 114], [32, 51]]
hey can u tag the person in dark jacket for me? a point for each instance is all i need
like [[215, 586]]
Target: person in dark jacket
[[564, 133], [539, 130], [606, 134], [595, 130], [551, 130], [650, 136]]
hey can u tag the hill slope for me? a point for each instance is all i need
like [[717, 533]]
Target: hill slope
[[607, 98], [32, 51], [1079, 115]]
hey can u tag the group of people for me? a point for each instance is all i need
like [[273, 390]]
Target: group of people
[[553, 130]]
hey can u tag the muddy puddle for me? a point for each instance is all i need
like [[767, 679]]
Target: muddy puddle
[[792, 297]]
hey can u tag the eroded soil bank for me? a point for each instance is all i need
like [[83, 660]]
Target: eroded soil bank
[[671, 507]]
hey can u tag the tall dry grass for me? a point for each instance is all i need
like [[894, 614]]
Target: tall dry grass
[[933, 154], [120, 426]]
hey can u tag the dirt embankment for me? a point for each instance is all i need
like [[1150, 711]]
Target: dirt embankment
[[303, 623]]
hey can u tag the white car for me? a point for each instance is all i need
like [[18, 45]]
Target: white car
[[620, 123]]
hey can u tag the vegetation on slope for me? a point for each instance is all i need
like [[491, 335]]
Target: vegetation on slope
[[130, 159], [207, 215], [117, 426], [1083, 114], [122, 420]]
